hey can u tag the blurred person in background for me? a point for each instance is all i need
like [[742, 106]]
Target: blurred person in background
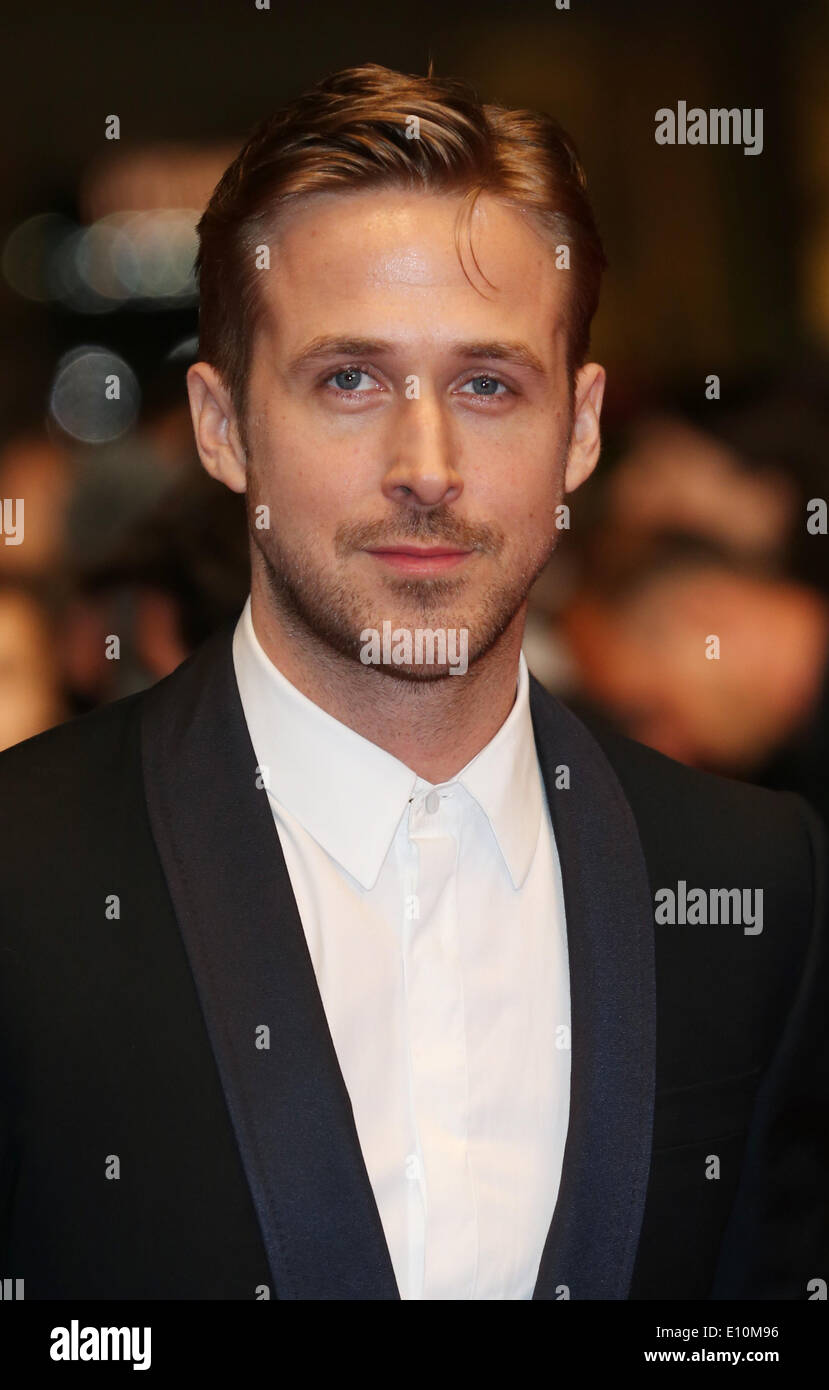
[[675, 475], [640, 629], [36, 475], [700, 528], [130, 539], [174, 576], [117, 483], [36, 467], [31, 677], [738, 471]]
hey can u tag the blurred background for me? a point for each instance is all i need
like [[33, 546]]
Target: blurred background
[[688, 601]]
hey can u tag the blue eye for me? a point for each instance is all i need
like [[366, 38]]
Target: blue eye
[[488, 382], [347, 378]]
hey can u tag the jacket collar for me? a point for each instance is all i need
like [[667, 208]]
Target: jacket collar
[[288, 1103], [594, 1234]]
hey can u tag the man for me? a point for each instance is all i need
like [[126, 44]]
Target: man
[[333, 962]]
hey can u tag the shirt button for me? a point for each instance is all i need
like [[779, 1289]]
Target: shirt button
[[432, 802]]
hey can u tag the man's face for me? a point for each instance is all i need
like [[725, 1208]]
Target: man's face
[[395, 408]]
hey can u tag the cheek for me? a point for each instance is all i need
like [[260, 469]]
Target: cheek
[[290, 460], [526, 506], [521, 478], [309, 485]]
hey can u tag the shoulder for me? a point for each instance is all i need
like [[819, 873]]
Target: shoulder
[[66, 790], [81, 745], [730, 980], [669, 798], [694, 821], [73, 829]]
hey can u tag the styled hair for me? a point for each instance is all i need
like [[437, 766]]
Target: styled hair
[[353, 131]]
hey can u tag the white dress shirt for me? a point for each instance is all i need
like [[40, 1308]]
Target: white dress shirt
[[434, 917]]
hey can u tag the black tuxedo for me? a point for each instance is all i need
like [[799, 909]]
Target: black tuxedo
[[130, 1038]]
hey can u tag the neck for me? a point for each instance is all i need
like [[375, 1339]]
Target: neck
[[434, 727]]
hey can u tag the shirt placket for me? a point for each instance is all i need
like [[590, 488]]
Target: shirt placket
[[437, 1046]]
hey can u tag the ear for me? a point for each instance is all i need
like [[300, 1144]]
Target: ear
[[586, 439], [215, 427]]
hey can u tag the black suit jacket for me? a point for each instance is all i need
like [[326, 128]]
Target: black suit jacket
[[149, 1149]]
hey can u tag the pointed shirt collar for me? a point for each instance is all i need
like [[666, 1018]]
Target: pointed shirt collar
[[349, 794]]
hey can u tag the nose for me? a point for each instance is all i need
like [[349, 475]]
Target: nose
[[422, 468]]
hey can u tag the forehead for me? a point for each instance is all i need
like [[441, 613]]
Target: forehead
[[372, 260]]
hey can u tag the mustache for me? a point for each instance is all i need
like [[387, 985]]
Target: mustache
[[429, 528]]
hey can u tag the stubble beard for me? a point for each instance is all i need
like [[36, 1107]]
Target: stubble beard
[[329, 614]]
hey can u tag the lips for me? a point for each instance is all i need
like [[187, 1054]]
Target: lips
[[417, 559], [419, 550]]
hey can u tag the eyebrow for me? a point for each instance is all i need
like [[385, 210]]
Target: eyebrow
[[330, 345]]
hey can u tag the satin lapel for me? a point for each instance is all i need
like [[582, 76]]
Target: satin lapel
[[592, 1242], [236, 909]]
